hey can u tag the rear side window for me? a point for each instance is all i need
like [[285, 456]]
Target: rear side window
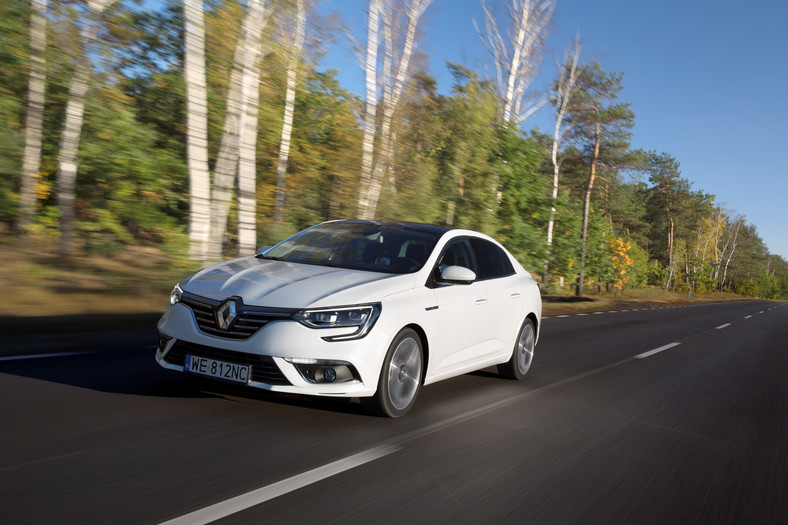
[[493, 262]]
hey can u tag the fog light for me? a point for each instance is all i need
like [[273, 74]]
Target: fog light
[[330, 375], [325, 370]]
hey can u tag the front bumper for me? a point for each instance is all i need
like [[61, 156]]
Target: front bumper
[[276, 354]]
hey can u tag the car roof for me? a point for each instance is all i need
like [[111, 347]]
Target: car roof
[[438, 231]]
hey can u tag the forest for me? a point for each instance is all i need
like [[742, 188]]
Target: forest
[[209, 128]]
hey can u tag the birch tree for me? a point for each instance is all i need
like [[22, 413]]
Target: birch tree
[[370, 104], [287, 126], [395, 71], [240, 119], [75, 114], [197, 130], [564, 89], [247, 139], [517, 58], [731, 242], [31, 162]]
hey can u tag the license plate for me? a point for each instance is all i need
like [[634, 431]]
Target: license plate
[[218, 369]]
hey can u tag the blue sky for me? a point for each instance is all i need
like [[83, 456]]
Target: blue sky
[[707, 80]]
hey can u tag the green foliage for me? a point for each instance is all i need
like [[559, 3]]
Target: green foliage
[[417, 161], [13, 93], [524, 208], [322, 169], [468, 161], [129, 189]]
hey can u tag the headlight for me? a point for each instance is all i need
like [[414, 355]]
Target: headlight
[[361, 317], [176, 294]]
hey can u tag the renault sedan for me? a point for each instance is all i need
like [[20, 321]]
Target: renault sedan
[[365, 309]]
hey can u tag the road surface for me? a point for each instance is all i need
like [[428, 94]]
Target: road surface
[[674, 415]]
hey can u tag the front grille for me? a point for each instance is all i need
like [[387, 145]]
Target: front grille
[[262, 367], [249, 319]]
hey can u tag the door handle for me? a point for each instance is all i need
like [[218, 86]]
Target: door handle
[[515, 295], [481, 300]]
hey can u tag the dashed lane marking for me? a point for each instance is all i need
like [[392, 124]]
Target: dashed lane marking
[[657, 350]]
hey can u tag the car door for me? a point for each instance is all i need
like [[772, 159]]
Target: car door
[[461, 313], [504, 294]]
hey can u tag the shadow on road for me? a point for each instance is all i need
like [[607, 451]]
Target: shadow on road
[[134, 372]]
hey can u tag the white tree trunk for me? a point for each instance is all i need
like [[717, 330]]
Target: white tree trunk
[[31, 162], [69, 139], [564, 90], [287, 125], [247, 138], [197, 130], [520, 26], [517, 60], [370, 106], [228, 159], [735, 235], [224, 171], [392, 96]]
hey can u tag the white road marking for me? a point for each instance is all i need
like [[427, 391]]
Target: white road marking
[[726, 325], [748, 317], [69, 354], [41, 356], [250, 499], [656, 350]]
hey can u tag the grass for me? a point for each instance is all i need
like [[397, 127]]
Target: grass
[[35, 282], [649, 297]]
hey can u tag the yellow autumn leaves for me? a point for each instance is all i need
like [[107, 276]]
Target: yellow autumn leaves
[[621, 260]]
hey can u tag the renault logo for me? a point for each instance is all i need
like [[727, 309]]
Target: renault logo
[[225, 314]]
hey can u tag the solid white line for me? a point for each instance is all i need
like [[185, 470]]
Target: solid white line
[[41, 356], [726, 325], [67, 354], [261, 495], [656, 350]]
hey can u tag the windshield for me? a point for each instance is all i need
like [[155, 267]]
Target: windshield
[[374, 247]]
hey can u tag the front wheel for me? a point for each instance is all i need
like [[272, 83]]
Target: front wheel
[[400, 377], [523, 353]]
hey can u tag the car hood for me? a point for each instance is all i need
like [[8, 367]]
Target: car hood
[[281, 284]]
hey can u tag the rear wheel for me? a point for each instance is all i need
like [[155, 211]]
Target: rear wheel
[[400, 377], [523, 354]]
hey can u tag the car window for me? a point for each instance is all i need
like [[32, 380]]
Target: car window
[[458, 252], [378, 247], [493, 262]]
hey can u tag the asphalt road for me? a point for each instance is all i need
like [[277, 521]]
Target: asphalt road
[[675, 415]]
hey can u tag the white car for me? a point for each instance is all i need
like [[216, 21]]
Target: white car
[[363, 309]]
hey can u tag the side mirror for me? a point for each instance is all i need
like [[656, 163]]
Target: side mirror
[[457, 275]]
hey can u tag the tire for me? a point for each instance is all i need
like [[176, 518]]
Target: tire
[[400, 377], [522, 355]]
